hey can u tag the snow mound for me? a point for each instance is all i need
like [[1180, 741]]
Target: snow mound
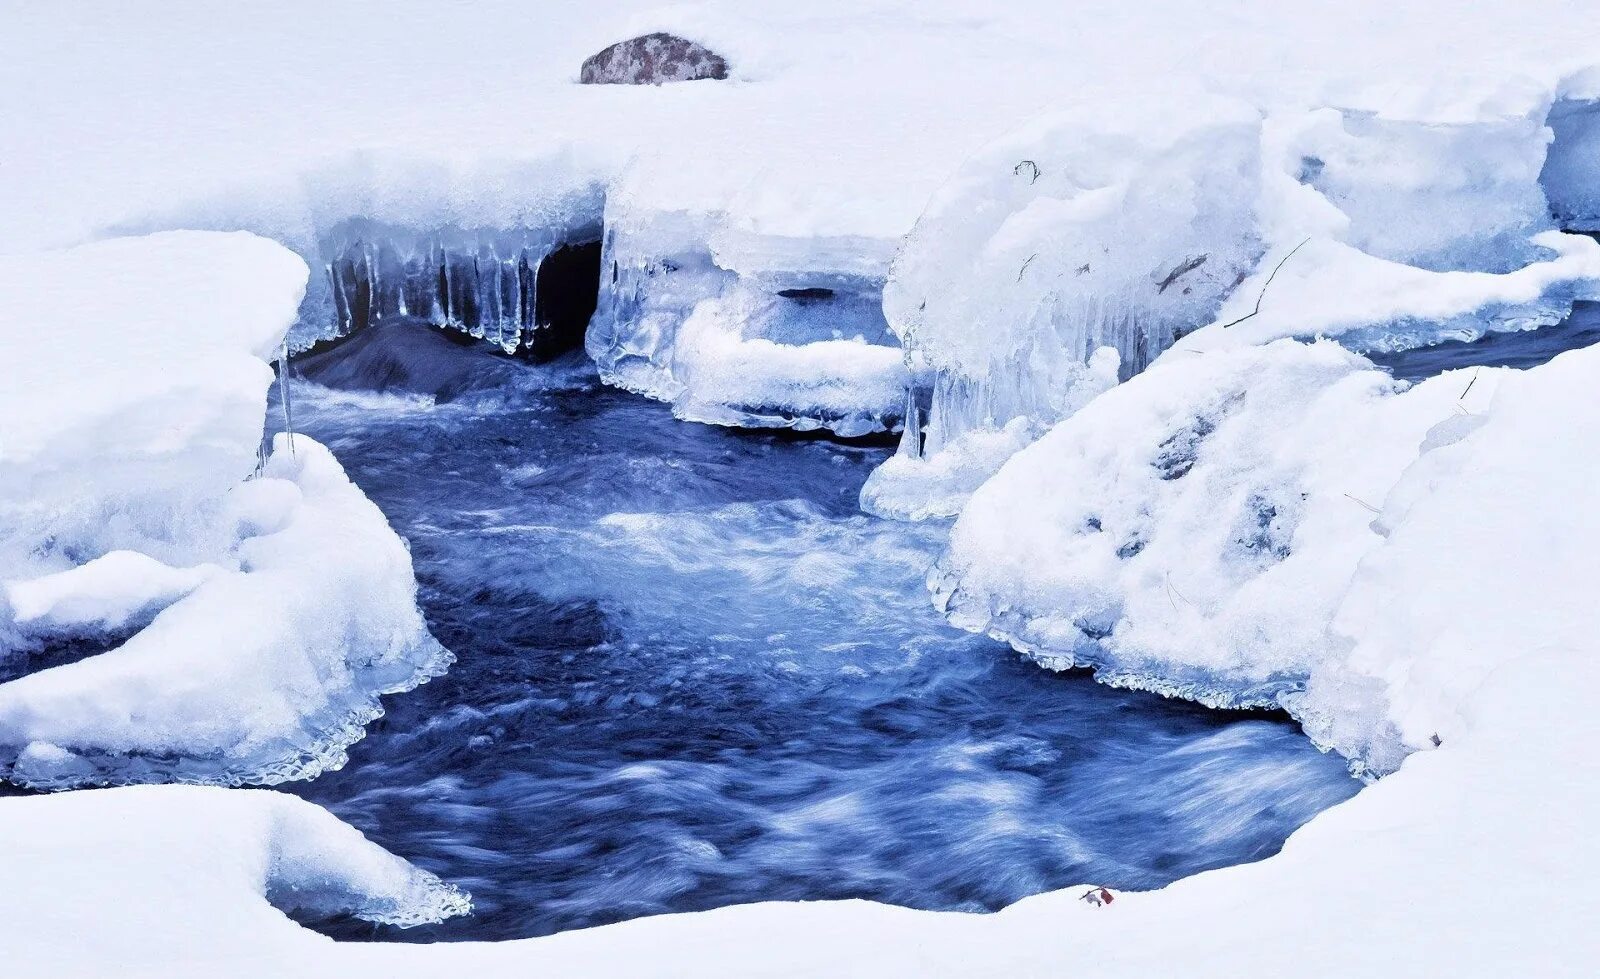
[[1081, 231], [145, 863], [1222, 528], [259, 674], [254, 608], [136, 391]]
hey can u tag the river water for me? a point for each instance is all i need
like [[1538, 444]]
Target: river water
[[691, 673]]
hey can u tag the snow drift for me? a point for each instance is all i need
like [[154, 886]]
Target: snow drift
[[133, 868], [240, 623], [1222, 528]]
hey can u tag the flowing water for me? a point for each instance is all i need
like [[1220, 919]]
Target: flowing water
[[692, 674]]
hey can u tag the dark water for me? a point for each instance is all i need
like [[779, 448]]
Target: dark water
[[692, 674], [1522, 350]]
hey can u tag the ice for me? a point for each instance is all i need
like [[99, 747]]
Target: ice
[[1331, 289], [739, 328], [1210, 224], [1568, 177], [267, 610], [1431, 193], [1075, 234], [918, 485]]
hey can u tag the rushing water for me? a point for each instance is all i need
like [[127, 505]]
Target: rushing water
[[692, 674], [1520, 349]]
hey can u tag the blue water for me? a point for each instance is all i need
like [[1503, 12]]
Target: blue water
[[1522, 349], [692, 674]]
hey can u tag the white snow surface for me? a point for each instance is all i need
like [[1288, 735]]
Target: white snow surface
[[1225, 527], [242, 624], [166, 857], [1213, 130]]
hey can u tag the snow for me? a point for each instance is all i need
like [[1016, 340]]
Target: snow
[[103, 595], [253, 617], [166, 857], [262, 673], [143, 390], [1331, 289], [814, 158], [1387, 174], [1221, 528]]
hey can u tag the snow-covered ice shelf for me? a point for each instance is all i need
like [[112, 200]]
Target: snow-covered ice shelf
[[242, 610]]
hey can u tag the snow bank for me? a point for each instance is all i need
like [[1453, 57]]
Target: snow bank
[[1385, 223], [252, 617], [1213, 529], [1075, 234], [135, 391], [123, 876], [260, 673], [805, 168]]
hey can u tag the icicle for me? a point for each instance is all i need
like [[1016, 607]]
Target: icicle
[[283, 396], [444, 286], [375, 298], [911, 435], [341, 305]]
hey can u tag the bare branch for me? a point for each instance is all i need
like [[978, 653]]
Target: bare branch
[[1265, 284]]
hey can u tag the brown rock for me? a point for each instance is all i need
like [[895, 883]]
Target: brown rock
[[652, 59]]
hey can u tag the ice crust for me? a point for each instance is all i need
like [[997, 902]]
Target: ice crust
[[255, 608]]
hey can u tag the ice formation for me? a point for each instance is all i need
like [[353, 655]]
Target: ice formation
[[252, 617], [739, 328]]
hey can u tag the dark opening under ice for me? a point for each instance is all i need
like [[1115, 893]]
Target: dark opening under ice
[[692, 674]]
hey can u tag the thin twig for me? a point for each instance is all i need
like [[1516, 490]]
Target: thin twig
[[1469, 385], [1025, 265], [1171, 590], [1265, 284], [1027, 163], [1364, 503]]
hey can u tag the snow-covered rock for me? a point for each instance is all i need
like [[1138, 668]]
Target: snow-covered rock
[[260, 673]]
